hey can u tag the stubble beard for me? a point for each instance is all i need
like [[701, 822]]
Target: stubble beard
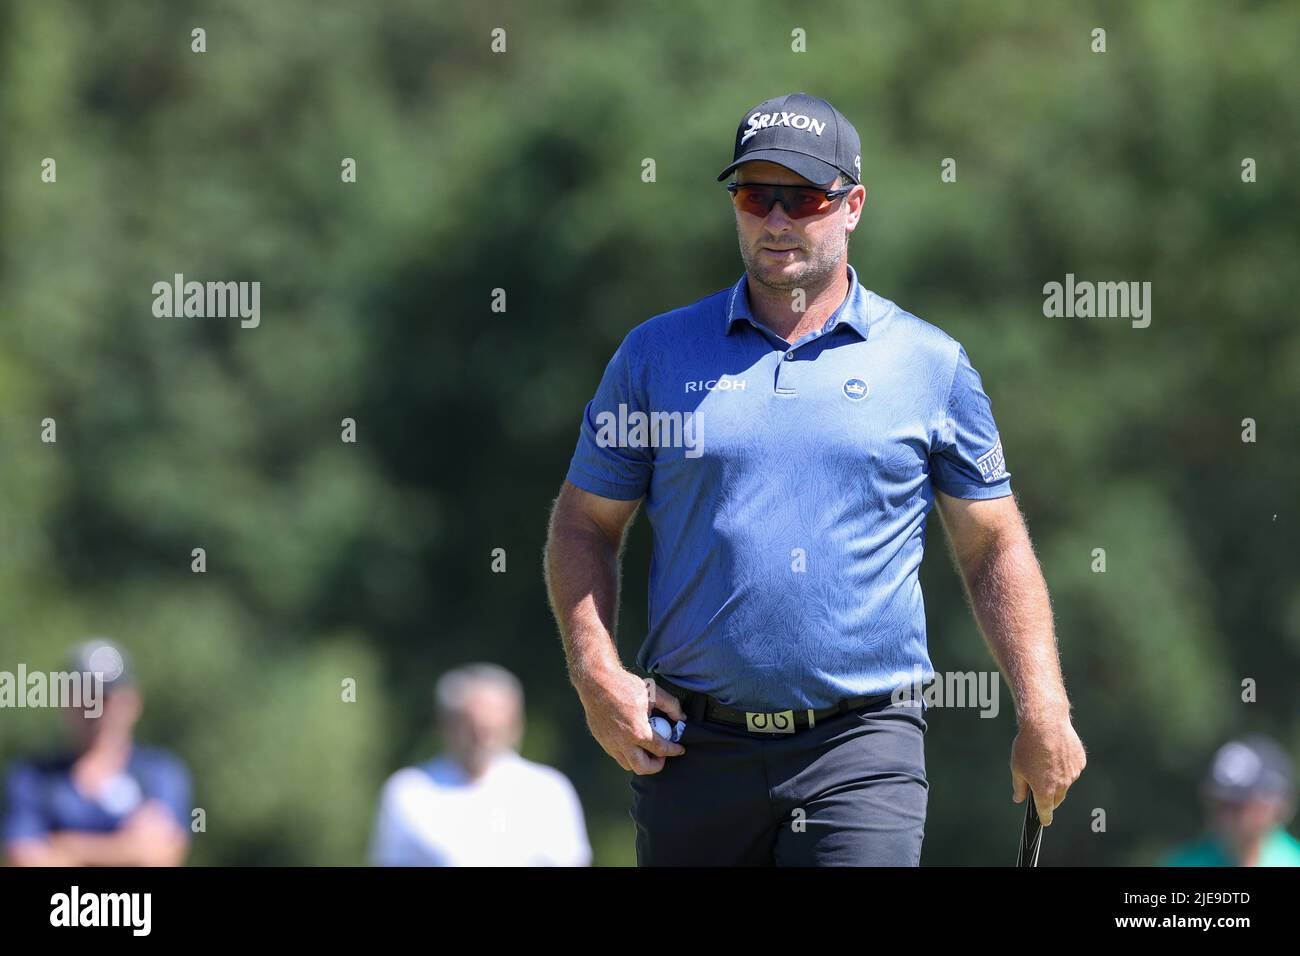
[[817, 268]]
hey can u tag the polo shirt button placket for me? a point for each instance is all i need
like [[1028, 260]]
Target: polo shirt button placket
[[784, 383]]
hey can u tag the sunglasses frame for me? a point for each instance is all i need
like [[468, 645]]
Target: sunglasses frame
[[830, 194]]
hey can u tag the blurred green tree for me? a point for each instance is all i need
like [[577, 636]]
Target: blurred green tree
[[522, 171]]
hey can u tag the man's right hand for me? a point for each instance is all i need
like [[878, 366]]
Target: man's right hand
[[618, 709]]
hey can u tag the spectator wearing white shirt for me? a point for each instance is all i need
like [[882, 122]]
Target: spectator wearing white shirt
[[481, 803]]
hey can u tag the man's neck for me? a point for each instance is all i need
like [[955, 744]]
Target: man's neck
[[106, 757], [1249, 852], [774, 308], [476, 770]]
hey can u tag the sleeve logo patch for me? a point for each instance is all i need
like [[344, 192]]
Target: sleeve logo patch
[[992, 465]]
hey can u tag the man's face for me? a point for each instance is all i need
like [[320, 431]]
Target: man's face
[[121, 709], [784, 253], [1240, 822], [487, 723]]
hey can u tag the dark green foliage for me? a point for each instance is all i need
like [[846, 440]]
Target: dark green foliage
[[522, 171]]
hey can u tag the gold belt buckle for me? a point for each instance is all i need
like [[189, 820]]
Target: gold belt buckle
[[781, 722]]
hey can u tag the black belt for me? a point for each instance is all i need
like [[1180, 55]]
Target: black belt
[[700, 706]]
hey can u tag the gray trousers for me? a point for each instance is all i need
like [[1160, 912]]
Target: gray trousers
[[851, 791]]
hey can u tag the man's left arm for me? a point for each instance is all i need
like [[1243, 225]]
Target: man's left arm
[[149, 837], [1009, 598]]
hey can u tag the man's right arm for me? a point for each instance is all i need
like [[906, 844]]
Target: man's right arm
[[150, 837], [26, 823], [584, 549], [29, 852], [583, 554]]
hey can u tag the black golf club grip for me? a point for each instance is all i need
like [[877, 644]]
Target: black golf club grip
[[1031, 835]]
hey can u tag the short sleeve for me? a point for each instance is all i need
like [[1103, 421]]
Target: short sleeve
[[168, 782], [608, 461], [387, 843], [395, 839], [24, 816], [968, 462], [567, 844]]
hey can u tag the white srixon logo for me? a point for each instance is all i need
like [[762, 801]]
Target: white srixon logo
[[637, 429], [75, 908], [717, 384], [181, 299], [795, 120]]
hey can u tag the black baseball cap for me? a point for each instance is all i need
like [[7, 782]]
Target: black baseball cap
[[803, 133], [1249, 768], [99, 655]]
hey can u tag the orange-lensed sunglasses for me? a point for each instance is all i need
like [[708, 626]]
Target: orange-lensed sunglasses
[[799, 202]]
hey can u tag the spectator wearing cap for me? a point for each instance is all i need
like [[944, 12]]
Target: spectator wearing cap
[[481, 803], [1249, 796], [108, 801]]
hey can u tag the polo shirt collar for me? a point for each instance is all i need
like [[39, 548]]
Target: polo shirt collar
[[854, 311]]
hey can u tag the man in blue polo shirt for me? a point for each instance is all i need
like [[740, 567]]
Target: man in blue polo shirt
[[109, 801], [788, 436]]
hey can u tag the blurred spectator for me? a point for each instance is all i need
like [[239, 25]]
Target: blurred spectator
[[1249, 797], [108, 802], [481, 804]]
